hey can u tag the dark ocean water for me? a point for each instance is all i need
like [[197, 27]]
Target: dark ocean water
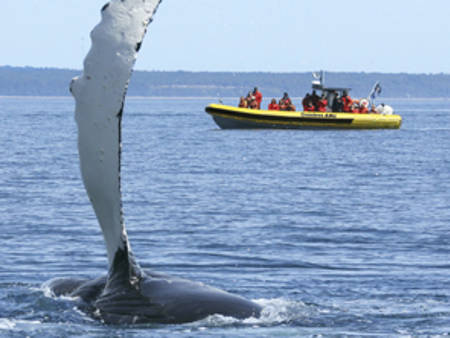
[[333, 232]]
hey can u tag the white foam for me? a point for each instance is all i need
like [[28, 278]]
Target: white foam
[[6, 324], [274, 312], [9, 324]]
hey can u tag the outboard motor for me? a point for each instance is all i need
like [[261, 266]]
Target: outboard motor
[[385, 109]]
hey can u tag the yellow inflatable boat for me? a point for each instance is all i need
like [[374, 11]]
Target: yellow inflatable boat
[[228, 117]]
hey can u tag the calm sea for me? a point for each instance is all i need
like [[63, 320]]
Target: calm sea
[[333, 232]]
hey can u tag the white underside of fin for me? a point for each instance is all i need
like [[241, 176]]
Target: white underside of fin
[[99, 94]]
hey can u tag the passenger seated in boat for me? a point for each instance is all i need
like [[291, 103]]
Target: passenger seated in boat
[[322, 104], [273, 105], [363, 110], [286, 103], [242, 102], [354, 108], [292, 107], [306, 101], [373, 110], [315, 99], [251, 101], [258, 97], [309, 107], [363, 106], [337, 104], [346, 102]]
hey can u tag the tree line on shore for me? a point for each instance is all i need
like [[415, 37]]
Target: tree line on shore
[[28, 81]]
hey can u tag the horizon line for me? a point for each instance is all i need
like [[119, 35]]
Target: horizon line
[[231, 71]]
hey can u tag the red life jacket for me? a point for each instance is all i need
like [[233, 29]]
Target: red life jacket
[[363, 110], [346, 103], [274, 106], [322, 105], [258, 97]]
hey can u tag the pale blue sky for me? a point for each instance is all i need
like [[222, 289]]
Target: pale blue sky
[[243, 35]]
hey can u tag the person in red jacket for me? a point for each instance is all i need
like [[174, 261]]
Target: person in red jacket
[[322, 104], [354, 107], [258, 96], [285, 102], [364, 106], [363, 110], [310, 107], [306, 101], [273, 105], [346, 103]]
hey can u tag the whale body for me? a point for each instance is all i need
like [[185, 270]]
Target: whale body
[[127, 294]]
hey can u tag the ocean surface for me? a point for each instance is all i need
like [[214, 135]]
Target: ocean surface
[[332, 232]]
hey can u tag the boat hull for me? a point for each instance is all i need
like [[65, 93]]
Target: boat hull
[[228, 117]]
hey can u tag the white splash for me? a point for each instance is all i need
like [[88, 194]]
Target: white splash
[[8, 324], [99, 94], [274, 312]]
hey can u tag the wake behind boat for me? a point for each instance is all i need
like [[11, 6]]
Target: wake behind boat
[[333, 109]]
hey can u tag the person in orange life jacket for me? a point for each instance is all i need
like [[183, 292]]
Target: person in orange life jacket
[[363, 109], [309, 107], [243, 102], [251, 102], [306, 101], [315, 99], [273, 105], [346, 102], [322, 104], [355, 107], [285, 102], [258, 96]]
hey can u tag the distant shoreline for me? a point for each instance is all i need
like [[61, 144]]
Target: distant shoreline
[[193, 98], [48, 82]]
